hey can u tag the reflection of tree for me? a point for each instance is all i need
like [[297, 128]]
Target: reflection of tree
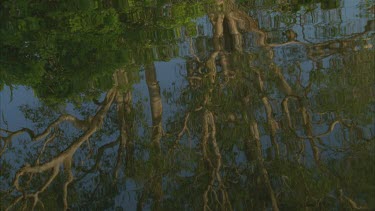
[[153, 186], [89, 127], [90, 38], [124, 115], [51, 41], [247, 134], [155, 104], [227, 22], [64, 158], [227, 76]]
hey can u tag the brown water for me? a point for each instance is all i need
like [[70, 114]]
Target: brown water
[[187, 105]]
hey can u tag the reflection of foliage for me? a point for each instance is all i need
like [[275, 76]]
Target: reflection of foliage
[[45, 51], [291, 6], [248, 134], [349, 90], [239, 95], [56, 147], [61, 49]]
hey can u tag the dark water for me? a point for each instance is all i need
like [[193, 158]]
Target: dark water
[[187, 105]]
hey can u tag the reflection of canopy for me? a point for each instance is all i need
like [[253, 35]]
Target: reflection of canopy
[[258, 134]]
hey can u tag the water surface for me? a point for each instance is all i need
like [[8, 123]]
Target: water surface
[[187, 105]]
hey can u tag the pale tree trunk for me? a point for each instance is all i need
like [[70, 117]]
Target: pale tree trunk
[[124, 114], [89, 127], [155, 104], [156, 188], [255, 138]]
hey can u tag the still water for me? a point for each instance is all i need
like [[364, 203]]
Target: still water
[[187, 105]]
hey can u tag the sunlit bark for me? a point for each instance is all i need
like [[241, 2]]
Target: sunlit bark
[[254, 132], [155, 104], [308, 128], [286, 88], [124, 109], [213, 164], [79, 124], [154, 186], [90, 126], [272, 124]]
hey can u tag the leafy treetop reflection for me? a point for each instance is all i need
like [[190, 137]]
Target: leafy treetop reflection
[[64, 48], [249, 133]]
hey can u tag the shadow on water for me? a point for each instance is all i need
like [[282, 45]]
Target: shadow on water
[[187, 105]]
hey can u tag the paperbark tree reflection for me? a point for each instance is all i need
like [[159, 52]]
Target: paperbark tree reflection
[[249, 133], [153, 186], [124, 115], [117, 95], [64, 158], [226, 21]]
